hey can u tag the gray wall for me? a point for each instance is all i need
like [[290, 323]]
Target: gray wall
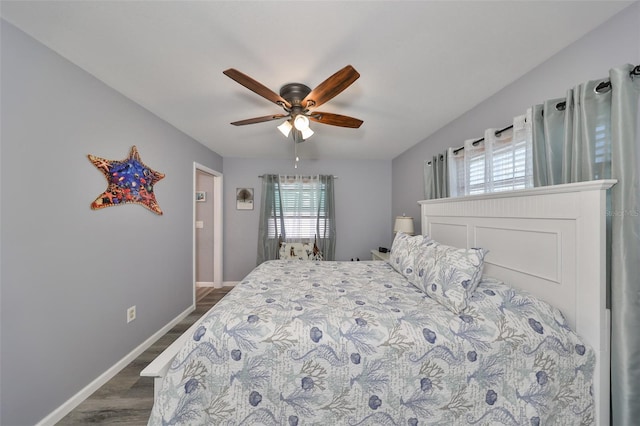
[[363, 207], [69, 273], [614, 43]]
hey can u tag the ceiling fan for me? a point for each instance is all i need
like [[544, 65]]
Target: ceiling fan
[[298, 101]]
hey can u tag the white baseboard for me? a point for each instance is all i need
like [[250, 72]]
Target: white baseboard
[[216, 285], [57, 414]]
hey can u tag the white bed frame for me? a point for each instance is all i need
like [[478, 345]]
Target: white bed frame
[[549, 241]]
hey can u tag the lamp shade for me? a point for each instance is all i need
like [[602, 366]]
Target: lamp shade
[[301, 122], [403, 224], [285, 128], [306, 133]]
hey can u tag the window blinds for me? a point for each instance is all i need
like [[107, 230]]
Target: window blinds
[[303, 202]]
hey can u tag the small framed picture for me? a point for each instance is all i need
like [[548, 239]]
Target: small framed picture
[[244, 198], [201, 196]]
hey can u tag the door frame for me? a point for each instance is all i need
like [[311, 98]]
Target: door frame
[[217, 226]]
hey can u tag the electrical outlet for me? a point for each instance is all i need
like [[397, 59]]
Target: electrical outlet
[[131, 314]]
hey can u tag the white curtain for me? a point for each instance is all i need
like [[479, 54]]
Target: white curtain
[[501, 161], [475, 166], [459, 166], [510, 156]]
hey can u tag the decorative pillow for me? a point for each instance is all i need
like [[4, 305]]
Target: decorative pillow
[[448, 274], [300, 251], [404, 251]]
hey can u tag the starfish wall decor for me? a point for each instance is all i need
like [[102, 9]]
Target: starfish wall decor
[[128, 181]]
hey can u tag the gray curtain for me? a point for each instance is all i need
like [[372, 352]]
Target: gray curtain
[[327, 240], [572, 136], [270, 203], [436, 177], [625, 250], [593, 133]]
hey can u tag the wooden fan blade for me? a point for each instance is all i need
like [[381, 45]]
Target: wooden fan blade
[[335, 119], [256, 87], [331, 87], [259, 119]]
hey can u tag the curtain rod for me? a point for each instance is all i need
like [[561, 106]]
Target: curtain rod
[[474, 143], [603, 87], [335, 177], [605, 84]]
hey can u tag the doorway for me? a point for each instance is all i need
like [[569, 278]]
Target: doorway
[[207, 228]]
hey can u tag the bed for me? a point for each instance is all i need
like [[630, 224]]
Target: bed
[[305, 342]]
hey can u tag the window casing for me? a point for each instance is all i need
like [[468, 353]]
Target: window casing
[[302, 209]]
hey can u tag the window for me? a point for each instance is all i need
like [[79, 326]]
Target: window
[[296, 209], [602, 148], [499, 162], [475, 173], [509, 167], [303, 208]]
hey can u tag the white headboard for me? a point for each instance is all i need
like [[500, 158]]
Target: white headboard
[[549, 241]]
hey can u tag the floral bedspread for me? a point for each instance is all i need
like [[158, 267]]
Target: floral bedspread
[[354, 343]]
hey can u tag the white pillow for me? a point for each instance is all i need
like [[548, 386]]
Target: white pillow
[[448, 274], [300, 251], [404, 250]]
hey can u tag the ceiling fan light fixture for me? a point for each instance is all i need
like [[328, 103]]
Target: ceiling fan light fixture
[[285, 128], [301, 122], [306, 133]]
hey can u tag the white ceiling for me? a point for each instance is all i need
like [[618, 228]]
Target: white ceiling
[[422, 63]]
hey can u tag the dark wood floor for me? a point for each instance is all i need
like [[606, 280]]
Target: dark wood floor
[[127, 398]]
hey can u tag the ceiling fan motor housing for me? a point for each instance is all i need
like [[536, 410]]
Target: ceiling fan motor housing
[[294, 93]]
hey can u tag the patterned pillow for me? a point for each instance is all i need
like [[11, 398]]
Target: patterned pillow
[[300, 251], [404, 251], [448, 274]]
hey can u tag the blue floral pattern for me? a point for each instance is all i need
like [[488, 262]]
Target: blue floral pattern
[[447, 274], [404, 250], [329, 343]]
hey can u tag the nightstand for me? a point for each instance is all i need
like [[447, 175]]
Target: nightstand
[[376, 255]]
